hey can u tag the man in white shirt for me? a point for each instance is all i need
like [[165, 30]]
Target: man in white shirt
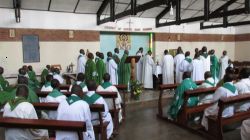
[[223, 64], [139, 65], [81, 62], [205, 59], [80, 81], [167, 68], [75, 109], [21, 108], [186, 64], [147, 77], [56, 75], [112, 69], [177, 61], [47, 86], [197, 74]]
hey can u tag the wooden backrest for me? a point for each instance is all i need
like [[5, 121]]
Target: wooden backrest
[[121, 87], [46, 93], [174, 86], [199, 91]]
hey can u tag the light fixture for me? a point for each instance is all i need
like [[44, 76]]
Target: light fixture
[[171, 10]]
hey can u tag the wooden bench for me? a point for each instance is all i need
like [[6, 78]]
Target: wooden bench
[[167, 87], [99, 108], [216, 123], [76, 126], [123, 90], [186, 111]]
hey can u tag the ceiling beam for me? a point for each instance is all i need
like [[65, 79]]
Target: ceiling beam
[[202, 26], [178, 12], [206, 9], [76, 5], [221, 8], [133, 7], [140, 8], [165, 11], [49, 5], [247, 6], [17, 7], [112, 10]]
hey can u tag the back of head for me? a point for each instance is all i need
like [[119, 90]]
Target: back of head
[[186, 75], [22, 91], [55, 83], [30, 68], [91, 84], [97, 53], [196, 50], [229, 70], [149, 52], [22, 71], [82, 51], [126, 52], [1, 70], [101, 55], [77, 90], [109, 54], [212, 52], [80, 77], [207, 74], [106, 77], [204, 49], [49, 78], [224, 53], [141, 49], [228, 77], [179, 50], [187, 53], [116, 50], [196, 55], [166, 52], [90, 56], [48, 67], [244, 73], [22, 80]]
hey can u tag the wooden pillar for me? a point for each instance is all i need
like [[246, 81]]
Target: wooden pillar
[[132, 69]]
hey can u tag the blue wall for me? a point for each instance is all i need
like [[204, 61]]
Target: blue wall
[[108, 43]]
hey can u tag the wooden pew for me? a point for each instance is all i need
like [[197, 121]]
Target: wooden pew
[[186, 111], [76, 126], [123, 90], [99, 108], [216, 123], [167, 87]]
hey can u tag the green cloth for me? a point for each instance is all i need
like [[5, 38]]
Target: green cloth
[[47, 84], [72, 99], [116, 58], [178, 100], [6, 96], [33, 82], [230, 87], [124, 71], [106, 85], [92, 99], [15, 102], [55, 93], [4, 84], [205, 54], [82, 84], [96, 59], [44, 74], [90, 70], [208, 82], [101, 70], [214, 66], [188, 59]]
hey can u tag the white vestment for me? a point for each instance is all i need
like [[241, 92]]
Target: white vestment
[[53, 114], [243, 87], [206, 63], [24, 110], [148, 64], [84, 89], [197, 74], [245, 130], [45, 89], [109, 102], [185, 66], [59, 78], [139, 67], [221, 92], [106, 115], [177, 61], [168, 69], [112, 70], [81, 62], [77, 111], [208, 83], [223, 65]]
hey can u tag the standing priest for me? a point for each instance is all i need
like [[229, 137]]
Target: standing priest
[[81, 62], [147, 77], [124, 69], [167, 68], [139, 65]]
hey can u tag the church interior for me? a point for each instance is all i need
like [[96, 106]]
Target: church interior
[[124, 69]]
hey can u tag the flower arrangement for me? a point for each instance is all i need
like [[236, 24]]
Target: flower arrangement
[[136, 89]]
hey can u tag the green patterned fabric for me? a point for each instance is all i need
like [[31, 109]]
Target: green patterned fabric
[[124, 71], [230, 87], [92, 99], [72, 99], [188, 59], [205, 55], [33, 82], [82, 84], [208, 82], [178, 100], [44, 74], [214, 66], [106, 85], [55, 93], [4, 84], [15, 102], [47, 84], [90, 70], [101, 70]]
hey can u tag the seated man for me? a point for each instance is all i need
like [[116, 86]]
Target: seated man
[[243, 86], [23, 73], [75, 109], [47, 86], [32, 75], [4, 84], [44, 74], [55, 96], [225, 91], [107, 86], [92, 98], [56, 75], [245, 130], [186, 84], [80, 82], [19, 107], [208, 83], [229, 70]]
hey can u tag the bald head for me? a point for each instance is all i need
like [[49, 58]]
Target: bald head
[[55, 84], [91, 84], [207, 74], [22, 91], [106, 77], [187, 53]]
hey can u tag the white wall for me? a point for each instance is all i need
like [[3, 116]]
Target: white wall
[[190, 46], [242, 50], [50, 53]]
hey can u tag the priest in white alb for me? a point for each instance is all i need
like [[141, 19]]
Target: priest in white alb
[[223, 64], [186, 64], [147, 77], [177, 61], [81, 62], [197, 74], [112, 68], [167, 68], [205, 59], [139, 65]]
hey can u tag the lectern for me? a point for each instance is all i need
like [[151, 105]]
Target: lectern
[[132, 60]]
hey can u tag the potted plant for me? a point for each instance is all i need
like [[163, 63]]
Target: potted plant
[[136, 89]]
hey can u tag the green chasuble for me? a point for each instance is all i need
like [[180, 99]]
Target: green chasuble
[[92, 99], [32, 77], [90, 70], [101, 70], [15, 102], [214, 66], [178, 100], [6, 96], [3, 84], [106, 85], [124, 71], [55, 93], [45, 72], [116, 58]]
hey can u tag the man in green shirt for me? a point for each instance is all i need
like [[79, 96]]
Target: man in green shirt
[[90, 68], [214, 65], [32, 76], [124, 70], [4, 84], [45, 72], [101, 68]]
